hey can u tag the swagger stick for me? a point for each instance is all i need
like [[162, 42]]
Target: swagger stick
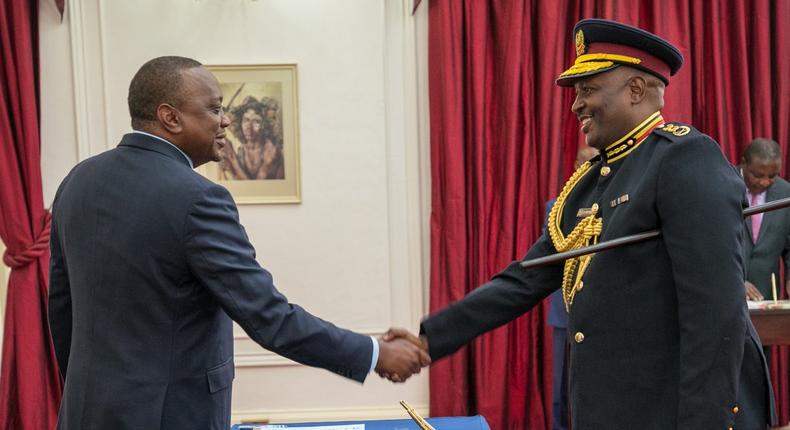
[[636, 238]]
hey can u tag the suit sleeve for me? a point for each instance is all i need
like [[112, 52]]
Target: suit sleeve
[[508, 295], [221, 257], [700, 207], [59, 308]]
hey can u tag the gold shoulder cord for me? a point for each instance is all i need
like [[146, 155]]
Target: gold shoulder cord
[[586, 231]]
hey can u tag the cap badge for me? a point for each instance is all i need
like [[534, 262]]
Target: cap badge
[[580, 48]]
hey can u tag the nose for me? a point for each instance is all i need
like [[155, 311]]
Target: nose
[[225, 120], [577, 105]]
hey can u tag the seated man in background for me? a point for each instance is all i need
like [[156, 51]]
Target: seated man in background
[[768, 234]]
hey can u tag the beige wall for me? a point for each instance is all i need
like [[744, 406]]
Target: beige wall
[[353, 251]]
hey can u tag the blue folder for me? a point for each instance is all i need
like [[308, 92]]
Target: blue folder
[[448, 423]]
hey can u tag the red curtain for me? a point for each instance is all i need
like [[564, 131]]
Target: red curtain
[[30, 385], [503, 140]]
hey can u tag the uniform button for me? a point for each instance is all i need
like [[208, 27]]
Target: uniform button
[[579, 337], [735, 409], [605, 171], [729, 428], [581, 285], [630, 141]]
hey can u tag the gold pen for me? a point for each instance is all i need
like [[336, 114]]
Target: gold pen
[[416, 417], [773, 285]]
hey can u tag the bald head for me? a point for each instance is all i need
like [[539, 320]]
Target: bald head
[[762, 148], [761, 164]]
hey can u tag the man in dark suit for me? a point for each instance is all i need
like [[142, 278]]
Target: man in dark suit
[[768, 234], [659, 330], [150, 264]]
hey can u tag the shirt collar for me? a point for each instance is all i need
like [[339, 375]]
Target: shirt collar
[[167, 142]]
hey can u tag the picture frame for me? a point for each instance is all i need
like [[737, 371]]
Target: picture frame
[[260, 162]]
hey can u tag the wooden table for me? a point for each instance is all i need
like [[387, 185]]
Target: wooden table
[[773, 325]]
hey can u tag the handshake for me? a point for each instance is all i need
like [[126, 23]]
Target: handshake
[[401, 354]]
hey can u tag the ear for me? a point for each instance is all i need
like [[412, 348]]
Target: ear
[[637, 89], [170, 118]]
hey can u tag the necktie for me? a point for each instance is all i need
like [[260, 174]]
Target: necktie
[[757, 219]]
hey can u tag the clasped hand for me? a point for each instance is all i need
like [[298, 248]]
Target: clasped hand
[[401, 354]]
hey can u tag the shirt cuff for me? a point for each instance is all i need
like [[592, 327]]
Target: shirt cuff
[[374, 358]]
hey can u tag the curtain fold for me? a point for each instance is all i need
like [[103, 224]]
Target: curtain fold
[[503, 140], [30, 384]]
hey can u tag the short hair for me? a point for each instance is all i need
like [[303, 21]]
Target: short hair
[[762, 148], [158, 81]]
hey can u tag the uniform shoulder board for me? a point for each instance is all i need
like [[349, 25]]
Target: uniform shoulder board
[[677, 131]]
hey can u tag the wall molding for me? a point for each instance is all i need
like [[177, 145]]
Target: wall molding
[[78, 60], [405, 178], [335, 414], [88, 65]]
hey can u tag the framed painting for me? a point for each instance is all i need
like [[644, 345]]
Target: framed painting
[[260, 164]]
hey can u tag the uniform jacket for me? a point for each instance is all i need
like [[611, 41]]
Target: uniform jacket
[[149, 264], [658, 329], [773, 242]]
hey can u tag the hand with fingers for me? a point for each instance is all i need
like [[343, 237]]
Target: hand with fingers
[[400, 355], [400, 333], [752, 293]]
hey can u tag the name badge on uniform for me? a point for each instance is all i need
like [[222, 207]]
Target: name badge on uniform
[[618, 201]]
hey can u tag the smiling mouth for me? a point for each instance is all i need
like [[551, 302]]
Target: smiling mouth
[[584, 123]]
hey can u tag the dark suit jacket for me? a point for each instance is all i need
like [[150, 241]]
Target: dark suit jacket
[[148, 262], [664, 322], [773, 242]]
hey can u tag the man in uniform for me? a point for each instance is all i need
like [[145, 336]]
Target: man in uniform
[[659, 330]]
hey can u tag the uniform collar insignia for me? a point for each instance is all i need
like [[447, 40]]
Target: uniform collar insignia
[[633, 138]]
